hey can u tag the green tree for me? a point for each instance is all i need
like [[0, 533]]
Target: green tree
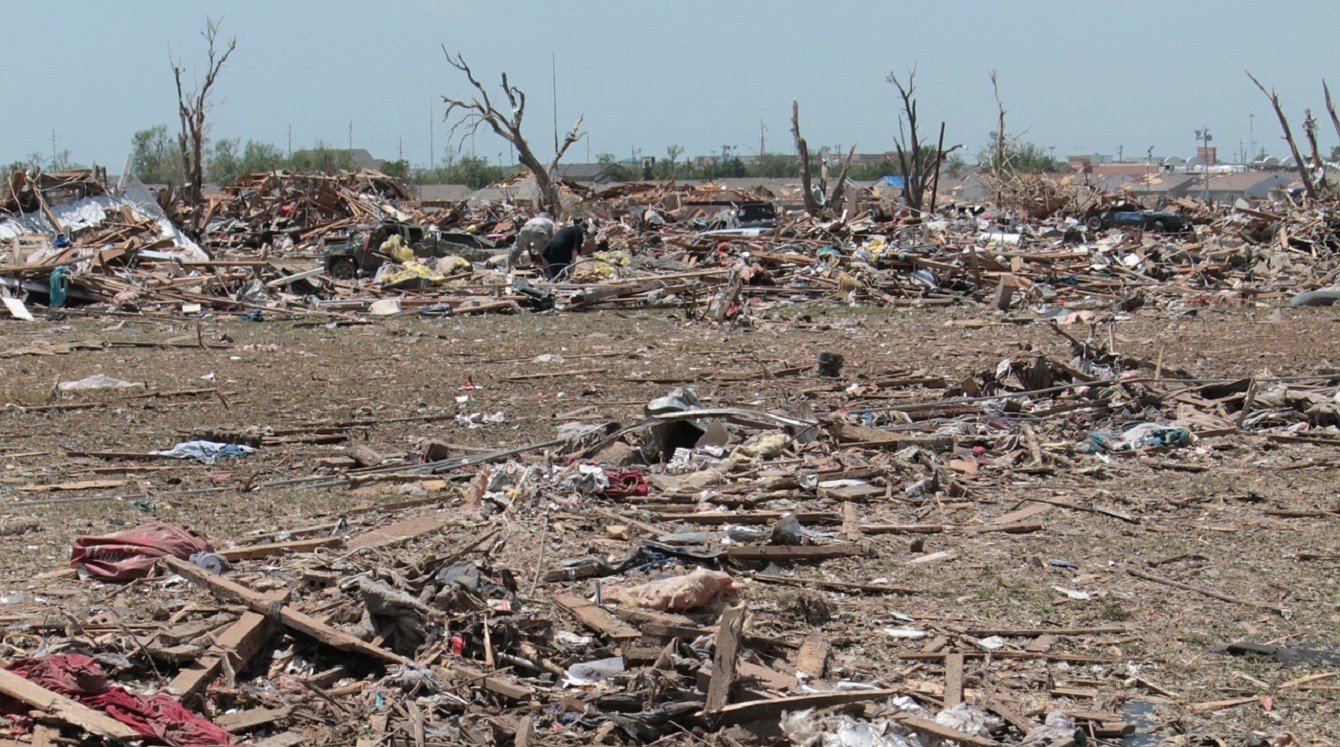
[[1335, 153], [773, 166], [1021, 157], [471, 171], [321, 158], [223, 164], [398, 169], [154, 158], [611, 170]]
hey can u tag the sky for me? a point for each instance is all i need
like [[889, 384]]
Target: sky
[[1077, 76]]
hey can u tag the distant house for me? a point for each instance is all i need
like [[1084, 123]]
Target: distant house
[[441, 194], [581, 172], [1249, 185], [1159, 186]]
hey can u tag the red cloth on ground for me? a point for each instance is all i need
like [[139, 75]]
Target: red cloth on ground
[[625, 482], [131, 554], [157, 717]]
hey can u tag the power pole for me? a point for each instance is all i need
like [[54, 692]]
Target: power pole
[[53, 149], [351, 138], [432, 146], [290, 140], [400, 149], [553, 72], [762, 138], [1203, 134]]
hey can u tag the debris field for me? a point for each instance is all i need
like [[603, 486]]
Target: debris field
[[876, 480]]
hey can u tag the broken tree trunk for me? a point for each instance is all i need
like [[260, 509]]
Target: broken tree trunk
[[1288, 136], [812, 205]]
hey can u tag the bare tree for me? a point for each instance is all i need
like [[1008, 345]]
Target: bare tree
[[1000, 124], [812, 205], [1310, 131], [825, 204], [1330, 107], [192, 106], [917, 163], [506, 124], [1288, 136]]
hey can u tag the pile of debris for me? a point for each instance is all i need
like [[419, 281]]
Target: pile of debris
[[365, 629], [315, 245]]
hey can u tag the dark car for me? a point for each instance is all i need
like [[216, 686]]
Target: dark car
[[745, 215], [360, 253], [1126, 215]]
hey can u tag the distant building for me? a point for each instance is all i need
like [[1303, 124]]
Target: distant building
[[1249, 185]]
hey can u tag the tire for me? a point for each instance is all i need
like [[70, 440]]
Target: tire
[[1094, 224], [342, 268]]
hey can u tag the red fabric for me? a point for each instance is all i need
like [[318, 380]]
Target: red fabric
[[131, 554], [625, 482], [158, 718]]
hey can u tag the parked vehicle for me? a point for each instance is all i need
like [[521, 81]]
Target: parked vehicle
[[1128, 215]]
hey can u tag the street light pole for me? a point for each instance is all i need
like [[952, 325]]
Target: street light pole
[[1203, 134]]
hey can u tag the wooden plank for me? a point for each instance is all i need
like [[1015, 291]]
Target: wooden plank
[[724, 655], [239, 643], [57, 707], [753, 710], [935, 728], [597, 619], [1041, 644], [787, 552], [812, 658], [983, 631], [905, 528], [284, 739], [236, 723], [301, 622], [847, 586], [494, 683], [251, 552], [953, 680], [415, 526], [1072, 658], [43, 735], [1027, 511], [749, 517]]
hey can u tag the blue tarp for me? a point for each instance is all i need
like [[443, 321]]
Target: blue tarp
[[893, 180]]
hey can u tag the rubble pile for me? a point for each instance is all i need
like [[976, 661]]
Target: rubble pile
[[273, 242], [366, 627]]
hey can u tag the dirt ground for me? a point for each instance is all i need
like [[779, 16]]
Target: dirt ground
[[1210, 516]]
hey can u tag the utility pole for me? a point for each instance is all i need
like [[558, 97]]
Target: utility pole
[[1203, 134], [432, 145], [290, 139], [351, 138], [553, 72], [762, 138], [53, 149], [1251, 133], [1121, 154]]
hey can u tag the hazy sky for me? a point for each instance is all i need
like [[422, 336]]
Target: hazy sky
[[1080, 76]]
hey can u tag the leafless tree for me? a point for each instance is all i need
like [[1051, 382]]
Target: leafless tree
[[1310, 131], [506, 124], [917, 163], [192, 106], [831, 204], [1330, 107], [1303, 172]]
